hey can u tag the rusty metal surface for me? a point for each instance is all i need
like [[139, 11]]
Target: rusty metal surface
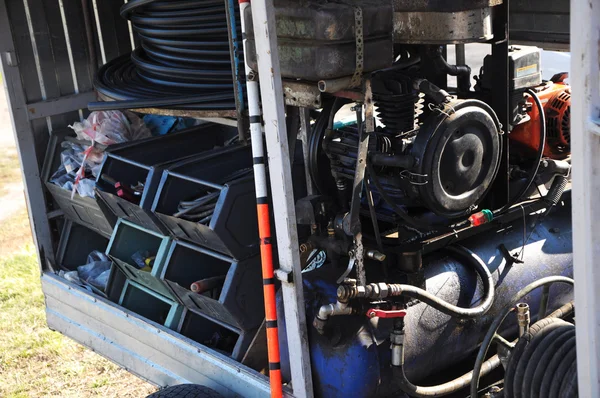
[[418, 27], [302, 94]]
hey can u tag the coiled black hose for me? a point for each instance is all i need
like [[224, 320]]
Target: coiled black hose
[[540, 363], [497, 322], [183, 62]]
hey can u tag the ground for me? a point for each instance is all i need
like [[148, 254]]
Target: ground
[[35, 361]]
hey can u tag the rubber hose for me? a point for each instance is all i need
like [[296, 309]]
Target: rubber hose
[[546, 368], [540, 361], [487, 340], [553, 367], [538, 158], [524, 361], [184, 51], [441, 389], [480, 267], [537, 365]]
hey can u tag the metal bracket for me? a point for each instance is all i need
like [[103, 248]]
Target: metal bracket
[[284, 276], [359, 37]]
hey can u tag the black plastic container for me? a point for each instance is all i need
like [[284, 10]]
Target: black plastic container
[[143, 161], [212, 334], [237, 301], [232, 228], [76, 243], [85, 211]]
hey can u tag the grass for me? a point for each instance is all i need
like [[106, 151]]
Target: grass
[[9, 169], [35, 361]]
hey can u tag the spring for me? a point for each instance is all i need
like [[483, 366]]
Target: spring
[[543, 363], [184, 60]]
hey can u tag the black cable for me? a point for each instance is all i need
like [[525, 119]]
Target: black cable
[[184, 60], [538, 159]]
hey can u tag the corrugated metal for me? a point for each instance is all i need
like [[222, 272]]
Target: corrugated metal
[[143, 347]]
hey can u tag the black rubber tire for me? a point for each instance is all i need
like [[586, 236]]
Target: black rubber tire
[[186, 391]]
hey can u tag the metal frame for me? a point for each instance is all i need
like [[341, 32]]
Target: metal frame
[[142, 347], [290, 272], [585, 136]]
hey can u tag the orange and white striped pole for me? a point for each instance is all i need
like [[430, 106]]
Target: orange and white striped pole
[[264, 221]]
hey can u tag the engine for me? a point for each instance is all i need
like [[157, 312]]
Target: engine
[[405, 166]]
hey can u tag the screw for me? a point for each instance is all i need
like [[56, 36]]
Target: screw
[[372, 314]]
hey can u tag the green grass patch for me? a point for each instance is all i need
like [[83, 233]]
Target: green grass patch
[[37, 362], [10, 171]]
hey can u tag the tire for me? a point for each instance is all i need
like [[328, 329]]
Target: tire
[[186, 391]]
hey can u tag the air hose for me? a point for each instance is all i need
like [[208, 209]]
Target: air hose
[[373, 290], [183, 62]]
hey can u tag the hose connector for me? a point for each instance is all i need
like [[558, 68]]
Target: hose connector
[[327, 311], [523, 318]]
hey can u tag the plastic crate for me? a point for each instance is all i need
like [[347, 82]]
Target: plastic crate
[[127, 239], [238, 302], [233, 229], [82, 210], [151, 305], [212, 334], [142, 162], [76, 243]]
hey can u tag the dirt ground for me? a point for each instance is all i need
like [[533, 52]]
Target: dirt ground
[[35, 361]]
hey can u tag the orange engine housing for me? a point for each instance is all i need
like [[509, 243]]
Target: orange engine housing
[[556, 100]]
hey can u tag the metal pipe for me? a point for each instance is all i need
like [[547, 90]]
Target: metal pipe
[[327, 311], [463, 80], [334, 85], [523, 318]]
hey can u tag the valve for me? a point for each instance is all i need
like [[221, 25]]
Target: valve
[[377, 313]]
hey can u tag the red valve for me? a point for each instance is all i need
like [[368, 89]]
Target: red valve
[[376, 313]]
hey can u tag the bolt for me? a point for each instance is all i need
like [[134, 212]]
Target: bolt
[[372, 314]]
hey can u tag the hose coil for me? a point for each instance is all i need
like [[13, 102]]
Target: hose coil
[[184, 51]]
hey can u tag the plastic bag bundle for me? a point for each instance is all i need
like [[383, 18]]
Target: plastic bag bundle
[[111, 127]]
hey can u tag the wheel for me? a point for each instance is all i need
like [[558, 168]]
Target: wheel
[[186, 391]]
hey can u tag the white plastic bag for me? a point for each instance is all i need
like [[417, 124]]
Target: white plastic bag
[[111, 127]]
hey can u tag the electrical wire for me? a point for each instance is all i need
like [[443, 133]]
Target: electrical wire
[[184, 51]]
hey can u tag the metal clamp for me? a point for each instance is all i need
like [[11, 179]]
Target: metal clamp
[[414, 178], [359, 37]]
